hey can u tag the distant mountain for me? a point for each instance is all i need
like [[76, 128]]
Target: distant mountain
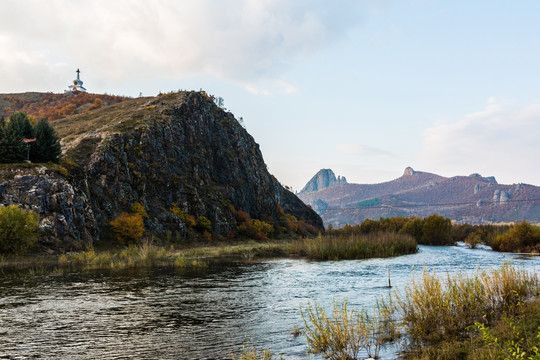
[[323, 179], [468, 199]]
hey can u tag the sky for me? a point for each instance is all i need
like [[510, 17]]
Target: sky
[[363, 87]]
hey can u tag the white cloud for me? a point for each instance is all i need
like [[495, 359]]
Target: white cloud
[[250, 42], [363, 150], [500, 140]]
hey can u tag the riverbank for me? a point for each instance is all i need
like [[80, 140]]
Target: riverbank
[[196, 255]]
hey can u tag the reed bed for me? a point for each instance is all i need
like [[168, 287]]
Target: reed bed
[[344, 333], [143, 255], [354, 246], [436, 309]]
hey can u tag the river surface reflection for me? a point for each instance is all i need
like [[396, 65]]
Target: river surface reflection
[[204, 314]]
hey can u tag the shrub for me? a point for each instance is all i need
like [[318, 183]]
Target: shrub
[[128, 227], [203, 224], [189, 220], [436, 230], [474, 239], [520, 237], [369, 226], [263, 227], [414, 227], [138, 208], [18, 229]]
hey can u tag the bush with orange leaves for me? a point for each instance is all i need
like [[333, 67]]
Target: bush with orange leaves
[[128, 227]]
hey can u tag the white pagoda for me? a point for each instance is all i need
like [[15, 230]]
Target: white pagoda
[[77, 84]]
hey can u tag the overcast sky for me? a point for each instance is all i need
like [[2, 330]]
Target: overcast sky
[[365, 88]]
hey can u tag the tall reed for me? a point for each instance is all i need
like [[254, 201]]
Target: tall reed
[[344, 333], [354, 246], [434, 309]]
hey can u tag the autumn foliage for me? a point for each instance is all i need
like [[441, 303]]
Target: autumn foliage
[[128, 227], [55, 106]]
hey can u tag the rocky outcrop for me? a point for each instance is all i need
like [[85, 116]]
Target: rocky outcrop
[[323, 179], [409, 171], [188, 152], [66, 218], [176, 149]]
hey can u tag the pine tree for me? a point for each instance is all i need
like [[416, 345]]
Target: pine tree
[[12, 149], [20, 122], [47, 145]]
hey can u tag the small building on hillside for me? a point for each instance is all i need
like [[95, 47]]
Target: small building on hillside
[[77, 84]]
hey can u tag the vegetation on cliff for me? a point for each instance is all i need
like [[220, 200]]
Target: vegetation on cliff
[[54, 106], [18, 229], [44, 145]]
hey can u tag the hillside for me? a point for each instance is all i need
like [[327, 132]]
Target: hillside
[[175, 149], [54, 106], [473, 199]]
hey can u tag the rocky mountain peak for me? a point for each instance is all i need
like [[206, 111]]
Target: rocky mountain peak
[[409, 171], [323, 179]]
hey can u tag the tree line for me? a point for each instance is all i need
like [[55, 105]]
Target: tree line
[[14, 148]]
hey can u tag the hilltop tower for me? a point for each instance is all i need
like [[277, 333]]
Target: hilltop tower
[[77, 83]]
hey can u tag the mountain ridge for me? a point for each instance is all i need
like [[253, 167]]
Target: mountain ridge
[[473, 199]]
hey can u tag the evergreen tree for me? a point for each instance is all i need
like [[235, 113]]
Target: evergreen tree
[[47, 145], [20, 122], [12, 149]]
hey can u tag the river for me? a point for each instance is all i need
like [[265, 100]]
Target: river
[[166, 313]]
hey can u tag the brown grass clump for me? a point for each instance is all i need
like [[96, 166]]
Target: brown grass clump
[[435, 310], [328, 247]]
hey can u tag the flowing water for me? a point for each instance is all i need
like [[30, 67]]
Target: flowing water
[[202, 314]]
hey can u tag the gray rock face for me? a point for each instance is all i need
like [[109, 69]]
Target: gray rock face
[[192, 154], [500, 196], [66, 218], [323, 179]]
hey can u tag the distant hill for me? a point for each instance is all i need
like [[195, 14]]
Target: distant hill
[[54, 106], [468, 199]]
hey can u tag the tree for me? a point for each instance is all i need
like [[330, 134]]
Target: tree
[[47, 145], [413, 227], [12, 149], [21, 124], [18, 229], [128, 227], [437, 230]]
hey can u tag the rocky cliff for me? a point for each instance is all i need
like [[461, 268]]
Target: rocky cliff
[[176, 148], [472, 199], [322, 179]]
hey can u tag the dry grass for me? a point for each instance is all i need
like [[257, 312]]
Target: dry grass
[[250, 353], [354, 246], [345, 333], [435, 309]]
